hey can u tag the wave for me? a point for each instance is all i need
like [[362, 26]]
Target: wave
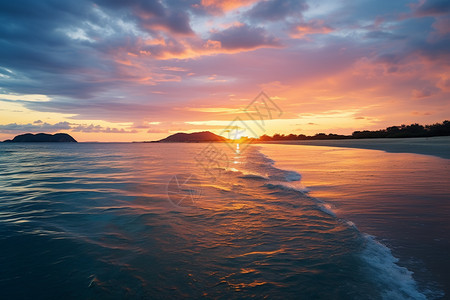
[[254, 176], [395, 281], [261, 164]]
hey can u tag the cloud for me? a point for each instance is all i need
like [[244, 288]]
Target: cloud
[[43, 127], [301, 30], [275, 10], [39, 126], [72, 51], [100, 129], [433, 8], [244, 37], [442, 25], [384, 35], [174, 22], [425, 92], [104, 110], [151, 15], [220, 7], [156, 130]]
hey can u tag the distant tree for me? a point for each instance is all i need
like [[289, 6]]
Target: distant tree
[[438, 129], [320, 136], [276, 137], [265, 138]]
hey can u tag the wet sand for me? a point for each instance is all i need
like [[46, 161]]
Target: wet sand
[[436, 146]]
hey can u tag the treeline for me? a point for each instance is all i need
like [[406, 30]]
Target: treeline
[[291, 137], [402, 131], [405, 131]]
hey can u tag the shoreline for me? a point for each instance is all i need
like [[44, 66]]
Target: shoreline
[[435, 146], [396, 198]]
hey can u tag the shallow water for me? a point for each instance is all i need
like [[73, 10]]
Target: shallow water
[[95, 221], [401, 198]]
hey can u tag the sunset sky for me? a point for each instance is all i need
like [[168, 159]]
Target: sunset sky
[[133, 70]]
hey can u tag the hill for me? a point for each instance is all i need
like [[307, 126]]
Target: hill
[[42, 138], [196, 137]]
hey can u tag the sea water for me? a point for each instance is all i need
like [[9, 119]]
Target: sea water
[[159, 221]]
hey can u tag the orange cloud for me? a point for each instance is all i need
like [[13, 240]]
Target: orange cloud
[[226, 5], [191, 47], [300, 31]]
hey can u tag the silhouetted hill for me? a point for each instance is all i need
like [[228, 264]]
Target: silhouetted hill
[[195, 137], [42, 138]]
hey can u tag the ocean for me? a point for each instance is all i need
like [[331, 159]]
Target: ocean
[[169, 221]]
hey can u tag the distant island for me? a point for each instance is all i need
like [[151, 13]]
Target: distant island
[[402, 131], [42, 138], [196, 137]]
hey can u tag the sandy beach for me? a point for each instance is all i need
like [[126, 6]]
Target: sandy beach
[[436, 146]]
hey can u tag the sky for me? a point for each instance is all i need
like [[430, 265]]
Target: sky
[[135, 70]]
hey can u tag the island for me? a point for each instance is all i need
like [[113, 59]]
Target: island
[[196, 137], [42, 138]]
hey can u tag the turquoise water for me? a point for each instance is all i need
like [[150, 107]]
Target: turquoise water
[[94, 221]]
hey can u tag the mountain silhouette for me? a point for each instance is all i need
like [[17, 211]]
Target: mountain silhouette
[[196, 137], [42, 138]]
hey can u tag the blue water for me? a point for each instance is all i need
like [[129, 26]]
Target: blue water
[[106, 221]]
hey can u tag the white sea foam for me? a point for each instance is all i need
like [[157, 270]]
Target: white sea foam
[[327, 208], [286, 187], [254, 177], [292, 176], [395, 281]]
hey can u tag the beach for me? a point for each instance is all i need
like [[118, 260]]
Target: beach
[[437, 146]]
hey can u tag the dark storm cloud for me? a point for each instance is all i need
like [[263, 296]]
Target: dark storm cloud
[[245, 37]]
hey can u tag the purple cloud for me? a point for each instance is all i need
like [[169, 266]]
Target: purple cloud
[[100, 129], [245, 37], [275, 10], [433, 8], [43, 127]]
